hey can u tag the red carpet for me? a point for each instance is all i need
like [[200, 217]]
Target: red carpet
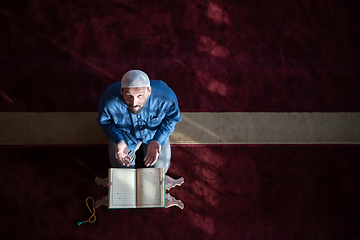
[[218, 56], [230, 192]]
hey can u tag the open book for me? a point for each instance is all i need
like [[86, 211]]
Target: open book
[[136, 188]]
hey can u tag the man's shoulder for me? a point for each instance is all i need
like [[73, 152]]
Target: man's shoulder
[[160, 87], [111, 94], [114, 87], [112, 90], [161, 92], [158, 84]]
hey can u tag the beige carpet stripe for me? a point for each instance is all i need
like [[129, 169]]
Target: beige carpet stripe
[[196, 128]]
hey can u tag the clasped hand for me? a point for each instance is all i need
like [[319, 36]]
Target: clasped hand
[[153, 151]]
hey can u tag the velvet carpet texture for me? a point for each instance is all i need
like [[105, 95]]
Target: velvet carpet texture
[[216, 55], [230, 192]]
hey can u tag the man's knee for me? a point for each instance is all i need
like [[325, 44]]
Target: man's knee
[[164, 157]]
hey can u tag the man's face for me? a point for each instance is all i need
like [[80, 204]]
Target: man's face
[[135, 98]]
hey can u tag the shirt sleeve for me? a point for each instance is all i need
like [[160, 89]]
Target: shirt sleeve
[[110, 129], [167, 126]]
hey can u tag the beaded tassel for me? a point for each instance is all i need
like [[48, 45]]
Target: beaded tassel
[[92, 218]]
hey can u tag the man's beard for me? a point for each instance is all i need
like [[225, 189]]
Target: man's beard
[[135, 111]]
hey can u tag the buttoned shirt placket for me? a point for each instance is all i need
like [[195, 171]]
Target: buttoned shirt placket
[[139, 127]]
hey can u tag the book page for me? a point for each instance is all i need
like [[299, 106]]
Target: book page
[[150, 187], [122, 188]]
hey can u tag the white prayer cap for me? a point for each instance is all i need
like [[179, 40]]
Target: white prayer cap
[[135, 78]]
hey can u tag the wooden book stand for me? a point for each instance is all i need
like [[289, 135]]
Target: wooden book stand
[[169, 200]]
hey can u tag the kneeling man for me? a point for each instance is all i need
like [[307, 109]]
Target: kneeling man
[[138, 113]]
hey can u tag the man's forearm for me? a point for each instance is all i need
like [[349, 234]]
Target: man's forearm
[[112, 132], [164, 132]]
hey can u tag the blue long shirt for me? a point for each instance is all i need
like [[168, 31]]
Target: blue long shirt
[[156, 121]]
